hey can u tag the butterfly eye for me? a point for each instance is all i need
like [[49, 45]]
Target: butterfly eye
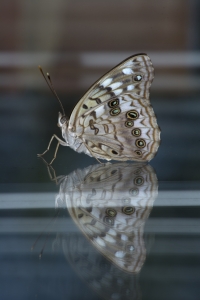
[[132, 114], [139, 180], [113, 103], [136, 132], [128, 210], [137, 78], [140, 143], [63, 120]]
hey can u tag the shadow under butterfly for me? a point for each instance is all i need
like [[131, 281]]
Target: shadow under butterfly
[[110, 205]]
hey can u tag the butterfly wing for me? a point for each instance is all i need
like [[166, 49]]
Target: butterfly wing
[[114, 118], [110, 205], [106, 280]]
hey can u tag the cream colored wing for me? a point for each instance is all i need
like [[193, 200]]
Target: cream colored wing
[[134, 76], [101, 276], [123, 129], [115, 119], [110, 205]]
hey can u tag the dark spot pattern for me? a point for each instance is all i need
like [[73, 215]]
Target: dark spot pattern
[[128, 210], [98, 101], [136, 132], [115, 111], [137, 78], [132, 114], [113, 103], [129, 124], [111, 212], [139, 180], [138, 152], [140, 143], [114, 152]]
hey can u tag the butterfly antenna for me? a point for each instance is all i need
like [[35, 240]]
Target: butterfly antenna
[[52, 221], [50, 85]]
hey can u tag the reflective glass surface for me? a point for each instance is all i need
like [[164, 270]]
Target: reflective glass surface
[[80, 229]]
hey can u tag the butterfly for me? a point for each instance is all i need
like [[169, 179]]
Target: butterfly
[[114, 120], [110, 205], [102, 277]]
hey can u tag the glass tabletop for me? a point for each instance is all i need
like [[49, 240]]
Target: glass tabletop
[[80, 229]]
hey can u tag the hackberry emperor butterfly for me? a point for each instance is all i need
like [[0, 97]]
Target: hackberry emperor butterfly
[[114, 119], [101, 276], [110, 205]]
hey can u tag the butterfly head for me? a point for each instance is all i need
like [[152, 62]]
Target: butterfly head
[[62, 119], [63, 123]]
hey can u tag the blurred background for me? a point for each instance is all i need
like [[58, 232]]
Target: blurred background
[[77, 42]]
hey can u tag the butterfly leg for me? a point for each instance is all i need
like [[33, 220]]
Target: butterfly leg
[[59, 142]]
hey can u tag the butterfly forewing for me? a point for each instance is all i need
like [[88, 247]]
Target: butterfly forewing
[[121, 79]]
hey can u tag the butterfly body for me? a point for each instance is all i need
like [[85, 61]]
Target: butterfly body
[[114, 119]]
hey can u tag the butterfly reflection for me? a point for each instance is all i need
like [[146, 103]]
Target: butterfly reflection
[[110, 204]]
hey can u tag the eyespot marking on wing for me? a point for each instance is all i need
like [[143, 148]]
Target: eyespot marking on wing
[[129, 124], [139, 180], [140, 143], [115, 111], [132, 114], [137, 77], [113, 103], [136, 132]]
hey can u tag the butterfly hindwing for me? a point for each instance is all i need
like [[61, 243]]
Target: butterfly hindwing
[[122, 129]]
